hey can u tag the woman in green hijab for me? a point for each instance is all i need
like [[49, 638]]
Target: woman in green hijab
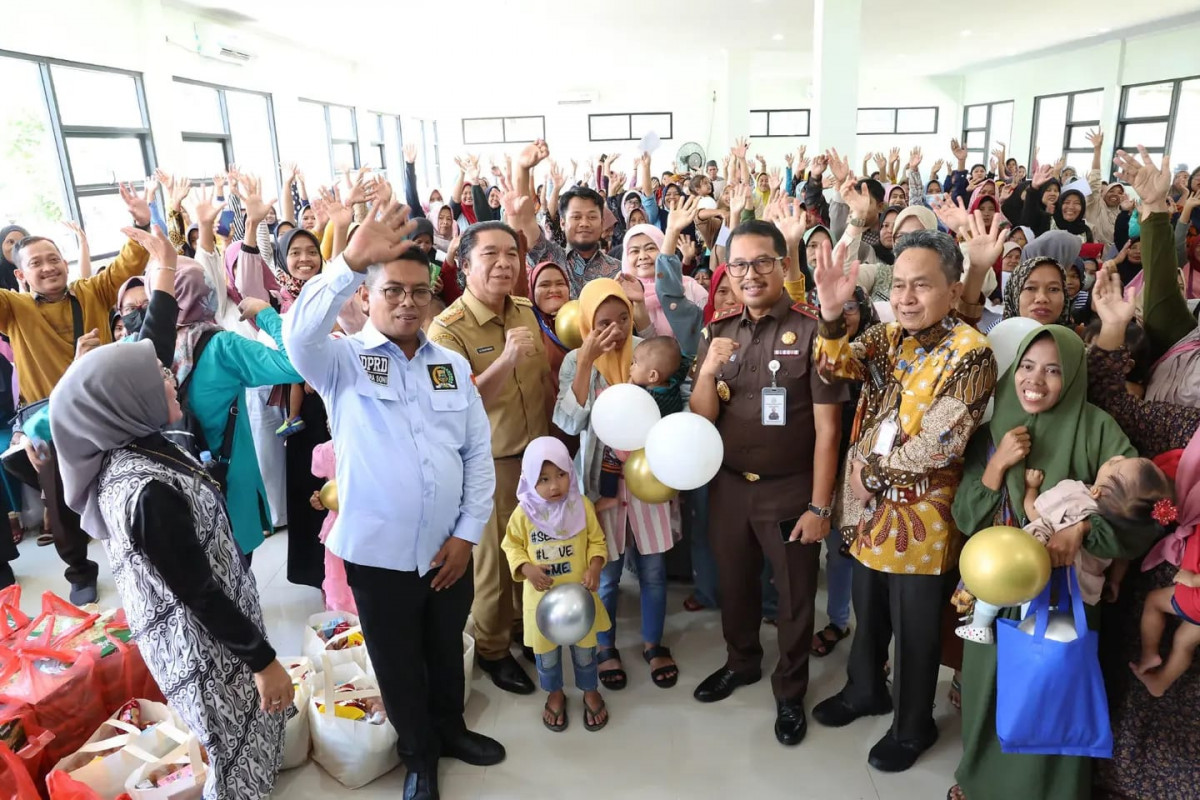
[[1042, 421]]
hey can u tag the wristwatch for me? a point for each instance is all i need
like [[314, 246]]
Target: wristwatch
[[856, 222], [824, 512]]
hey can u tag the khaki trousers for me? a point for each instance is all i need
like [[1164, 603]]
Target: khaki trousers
[[497, 595]]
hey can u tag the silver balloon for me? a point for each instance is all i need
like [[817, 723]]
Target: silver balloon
[[1060, 628], [566, 613]]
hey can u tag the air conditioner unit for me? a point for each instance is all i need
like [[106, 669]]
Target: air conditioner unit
[[578, 98], [222, 44]]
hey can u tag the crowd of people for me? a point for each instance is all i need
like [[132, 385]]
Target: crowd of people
[[441, 358]]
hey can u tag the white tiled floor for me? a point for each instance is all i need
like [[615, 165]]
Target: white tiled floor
[[660, 744]]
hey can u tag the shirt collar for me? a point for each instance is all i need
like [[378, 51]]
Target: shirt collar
[[778, 311], [479, 311], [932, 336], [39, 299], [371, 338]]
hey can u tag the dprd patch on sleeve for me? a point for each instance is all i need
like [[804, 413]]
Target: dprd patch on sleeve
[[376, 367], [442, 376]]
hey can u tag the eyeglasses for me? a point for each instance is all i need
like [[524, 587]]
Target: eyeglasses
[[850, 307], [421, 295], [130, 309], [763, 265], [168, 375]]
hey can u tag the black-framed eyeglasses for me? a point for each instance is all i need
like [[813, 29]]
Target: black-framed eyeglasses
[[763, 265], [421, 295], [132, 308]]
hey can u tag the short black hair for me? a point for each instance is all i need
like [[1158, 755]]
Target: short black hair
[[583, 192], [981, 166], [874, 188], [414, 254], [758, 227], [26, 242], [469, 237]]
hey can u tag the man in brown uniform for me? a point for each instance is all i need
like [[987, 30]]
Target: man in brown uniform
[[498, 333], [773, 497]]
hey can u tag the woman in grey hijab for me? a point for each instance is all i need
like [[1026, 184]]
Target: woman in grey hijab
[[191, 602]]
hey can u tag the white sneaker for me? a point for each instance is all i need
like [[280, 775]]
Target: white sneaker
[[978, 635]]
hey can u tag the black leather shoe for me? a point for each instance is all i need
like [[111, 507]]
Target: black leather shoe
[[892, 755], [83, 593], [7, 578], [527, 654], [837, 713], [721, 684], [790, 722], [507, 674], [421, 785], [473, 748]]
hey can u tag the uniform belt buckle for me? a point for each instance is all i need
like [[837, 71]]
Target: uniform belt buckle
[[751, 476]]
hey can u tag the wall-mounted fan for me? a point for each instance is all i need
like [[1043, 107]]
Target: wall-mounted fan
[[690, 156]]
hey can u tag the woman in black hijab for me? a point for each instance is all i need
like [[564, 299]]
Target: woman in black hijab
[[8, 262]]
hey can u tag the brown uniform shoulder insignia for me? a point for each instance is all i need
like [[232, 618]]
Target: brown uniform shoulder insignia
[[522, 301], [453, 313], [806, 309], [727, 313]]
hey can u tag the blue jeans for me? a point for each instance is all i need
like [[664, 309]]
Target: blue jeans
[[652, 583], [839, 574], [704, 563], [550, 671]]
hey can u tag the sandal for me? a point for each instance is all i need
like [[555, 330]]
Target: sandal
[[664, 677], [692, 604], [955, 792], [590, 714], [560, 717], [955, 694], [45, 539], [827, 639], [614, 679]]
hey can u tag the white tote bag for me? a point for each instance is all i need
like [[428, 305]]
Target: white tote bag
[[297, 738], [315, 648], [189, 788], [354, 752], [106, 776]]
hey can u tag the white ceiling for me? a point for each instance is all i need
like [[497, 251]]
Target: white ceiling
[[916, 36]]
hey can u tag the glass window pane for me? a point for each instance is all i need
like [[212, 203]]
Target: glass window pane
[[250, 126], [393, 152], [976, 117], [975, 157], [523, 129], [93, 97], [876, 120], [343, 155], [608, 126], [31, 184], [313, 144], [1082, 162], [1051, 116], [105, 160], [199, 108], [916, 120], [641, 124], [976, 139], [341, 122], [758, 123], [1150, 134], [373, 156], [789, 123], [483, 131], [1087, 106], [203, 159], [1185, 149], [1001, 128], [1148, 101], [103, 217]]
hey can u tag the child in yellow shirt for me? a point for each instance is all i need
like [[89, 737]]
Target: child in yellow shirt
[[554, 537]]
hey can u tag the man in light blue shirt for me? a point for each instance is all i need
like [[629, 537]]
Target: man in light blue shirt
[[415, 483]]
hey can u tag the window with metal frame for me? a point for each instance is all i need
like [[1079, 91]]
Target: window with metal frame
[[226, 125], [630, 127], [985, 126], [1060, 126], [340, 127], [908, 119], [503, 130], [777, 122], [1163, 117]]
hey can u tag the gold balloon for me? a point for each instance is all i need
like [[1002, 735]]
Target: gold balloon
[[641, 480], [1004, 566], [329, 495], [566, 325]]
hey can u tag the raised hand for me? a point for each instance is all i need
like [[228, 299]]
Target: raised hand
[[819, 165], [379, 192], [835, 284], [683, 215], [881, 163], [156, 244], [1108, 298], [914, 158], [290, 171], [518, 208], [739, 198], [139, 207], [937, 167], [178, 189], [1150, 182], [410, 153], [792, 223], [953, 215], [1095, 138], [633, 288], [557, 176], [840, 167], [150, 188], [1043, 174], [687, 249], [984, 245], [774, 180], [859, 199], [340, 214], [381, 237], [959, 151], [894, 156], [207, 207], [740, 146], [249, 191], [76, 229]]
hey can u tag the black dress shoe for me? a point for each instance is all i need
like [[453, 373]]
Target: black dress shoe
[[507, 674], [790, 722], [473, 748], [837, 713], [527, 654], [421, 785], [7, 578], [721, 684], [892, 755], [83, 593]]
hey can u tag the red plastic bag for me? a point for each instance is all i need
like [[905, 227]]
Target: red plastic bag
[[15, 782], [64, 692], [59, 622], [63, 787], [21, 732], [12, 619], [122, 675]]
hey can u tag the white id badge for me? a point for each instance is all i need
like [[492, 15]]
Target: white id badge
[[774, 405], [885, 439]]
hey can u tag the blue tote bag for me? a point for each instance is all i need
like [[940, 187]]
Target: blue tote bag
[[1050, 697]]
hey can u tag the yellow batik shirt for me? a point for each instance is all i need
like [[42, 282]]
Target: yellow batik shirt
[[931, 387]]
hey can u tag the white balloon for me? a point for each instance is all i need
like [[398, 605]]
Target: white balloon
[[623, 415], [684, 451], [1006, 337]]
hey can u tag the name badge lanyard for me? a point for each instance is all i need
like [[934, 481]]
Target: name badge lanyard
[[774, 399]]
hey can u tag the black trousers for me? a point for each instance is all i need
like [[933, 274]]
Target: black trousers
[[910, 608], [414, 637], [70, 540]]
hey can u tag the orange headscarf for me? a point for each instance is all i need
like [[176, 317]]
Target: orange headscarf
[[614, 365]]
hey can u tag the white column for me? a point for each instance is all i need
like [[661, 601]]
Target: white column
[[836, 46]]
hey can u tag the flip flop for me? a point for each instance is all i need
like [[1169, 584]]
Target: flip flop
[[560, 715], [590, 714]]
